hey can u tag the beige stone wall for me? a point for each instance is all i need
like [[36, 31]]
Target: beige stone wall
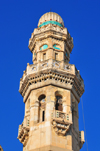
[[42, 133], [50, 92], [50, 51]]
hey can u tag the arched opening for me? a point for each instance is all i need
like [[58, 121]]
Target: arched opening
[[41, 109], [58, 105], [42, 97]]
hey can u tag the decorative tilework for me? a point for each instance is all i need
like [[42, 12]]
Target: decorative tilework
[[44, 47], [56, 47], [51, 22]]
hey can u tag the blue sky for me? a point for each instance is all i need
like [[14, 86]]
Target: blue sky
[[17, 21]]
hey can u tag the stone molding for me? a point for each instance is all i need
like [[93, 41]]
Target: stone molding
[[54, 76]]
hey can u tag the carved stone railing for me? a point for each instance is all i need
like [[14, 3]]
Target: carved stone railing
[[23, 132], [51, 64], [61, 122], [60, 115], [47, 64]]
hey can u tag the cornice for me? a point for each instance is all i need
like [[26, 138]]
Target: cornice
[[53, 77]]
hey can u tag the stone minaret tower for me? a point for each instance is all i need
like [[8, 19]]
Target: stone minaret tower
[[51, 90]]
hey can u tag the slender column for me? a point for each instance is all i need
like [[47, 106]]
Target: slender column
[[50, 62], [34, 113], [64, 106], [31, 115], [67, 108], [49, 107]]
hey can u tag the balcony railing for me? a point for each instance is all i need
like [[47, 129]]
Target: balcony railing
[[47, 64], [60, 115], [61, 122]]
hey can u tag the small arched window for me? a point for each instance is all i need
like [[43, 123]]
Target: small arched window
[[41, 110], [42, 98], [44, 47], [58, 105]]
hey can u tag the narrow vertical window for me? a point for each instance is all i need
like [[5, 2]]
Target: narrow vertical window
[[56, 56], [44, 56], [43, 116]]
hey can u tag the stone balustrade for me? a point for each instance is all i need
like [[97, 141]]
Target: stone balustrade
[[61, 122], [60, 116], [67, 68]]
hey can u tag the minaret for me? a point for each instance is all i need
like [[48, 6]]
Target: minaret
[[51, 89]]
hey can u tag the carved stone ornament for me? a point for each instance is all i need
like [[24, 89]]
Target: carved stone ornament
[[44, 65], [56, 65], [67, 67], [23, 134], [61, 127], [34, 68]]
